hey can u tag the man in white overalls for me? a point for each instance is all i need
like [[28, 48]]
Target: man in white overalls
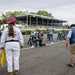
[[12, 40]]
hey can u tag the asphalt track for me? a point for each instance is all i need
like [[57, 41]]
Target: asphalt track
[[50, 60]]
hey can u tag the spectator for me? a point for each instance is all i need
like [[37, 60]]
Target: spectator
[[11, 40], [70, 43]]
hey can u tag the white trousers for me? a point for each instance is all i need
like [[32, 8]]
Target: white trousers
[[12, 55]]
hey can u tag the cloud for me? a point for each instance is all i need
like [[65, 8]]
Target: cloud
[[65, 12], [63, 9], [33, 4]]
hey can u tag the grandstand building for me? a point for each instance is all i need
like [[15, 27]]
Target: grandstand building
[[37, 20]]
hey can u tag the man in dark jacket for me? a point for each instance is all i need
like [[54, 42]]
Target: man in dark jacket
[[70, 43]]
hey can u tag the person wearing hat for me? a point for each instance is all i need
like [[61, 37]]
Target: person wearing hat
[[12, 40], [70, 44]]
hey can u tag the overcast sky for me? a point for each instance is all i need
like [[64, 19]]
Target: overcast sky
[[61, 9]]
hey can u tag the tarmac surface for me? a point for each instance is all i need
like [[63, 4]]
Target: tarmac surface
[[50, 60]]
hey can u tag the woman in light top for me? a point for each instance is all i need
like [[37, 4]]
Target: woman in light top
[[12, 40]]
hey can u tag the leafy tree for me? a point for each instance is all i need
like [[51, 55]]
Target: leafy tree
[[15, 13], [50, 15], [42, 12]]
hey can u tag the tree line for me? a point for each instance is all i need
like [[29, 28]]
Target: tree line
[[23, 13]]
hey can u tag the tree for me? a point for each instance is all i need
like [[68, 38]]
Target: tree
[[15, 13], [50, 15], [42, 12]]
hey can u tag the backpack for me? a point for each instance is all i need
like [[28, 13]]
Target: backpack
[[72, 39]]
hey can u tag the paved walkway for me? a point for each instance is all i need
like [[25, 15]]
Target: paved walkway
[[45, 61]]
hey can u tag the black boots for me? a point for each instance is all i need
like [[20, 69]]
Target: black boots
[[16, 72], [10, 73]]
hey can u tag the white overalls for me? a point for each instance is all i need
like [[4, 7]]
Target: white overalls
[[12, 48]]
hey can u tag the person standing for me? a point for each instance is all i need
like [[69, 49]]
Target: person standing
[[40, 37], [70, 43], [12, 40]]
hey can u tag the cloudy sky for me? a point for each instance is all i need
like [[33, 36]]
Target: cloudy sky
[[61, 9]]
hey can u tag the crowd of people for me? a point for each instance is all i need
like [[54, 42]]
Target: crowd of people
[[55, 36], [36, 39]]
